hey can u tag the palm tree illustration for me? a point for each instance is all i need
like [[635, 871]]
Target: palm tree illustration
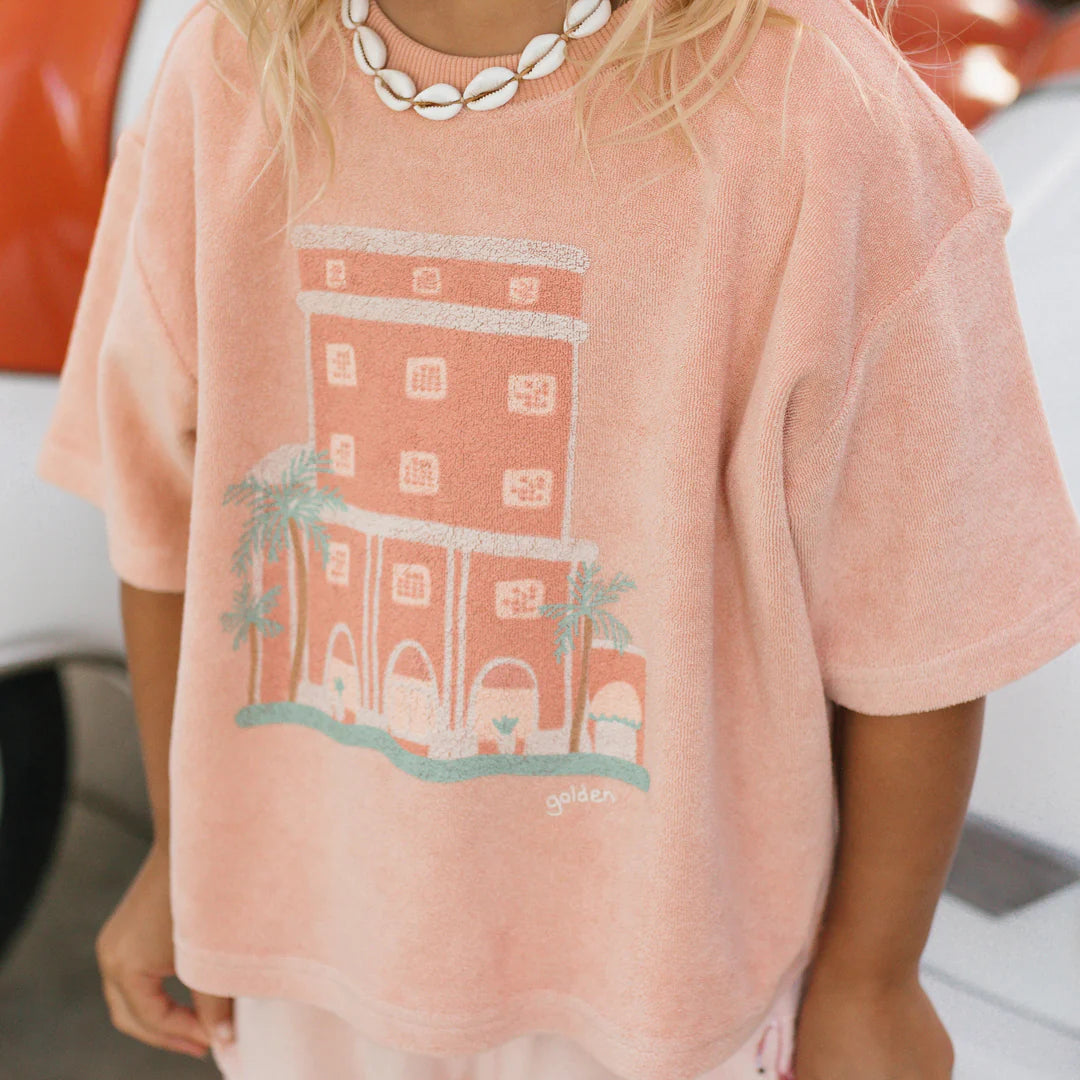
[[250, 617], [281, 515], [587, 599]]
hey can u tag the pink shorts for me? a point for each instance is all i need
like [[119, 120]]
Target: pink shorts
[[286, 1040]]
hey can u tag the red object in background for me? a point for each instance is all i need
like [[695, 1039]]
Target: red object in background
[[1058, 53], [971, 53], [978, 56], [59, 67], [60, 64], [926, 24]]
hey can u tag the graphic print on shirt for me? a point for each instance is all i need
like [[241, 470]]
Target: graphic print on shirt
[[407, 581]]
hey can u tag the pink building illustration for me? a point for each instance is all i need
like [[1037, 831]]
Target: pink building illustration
[[412, 563]]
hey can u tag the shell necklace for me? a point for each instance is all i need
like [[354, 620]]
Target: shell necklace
[[492, 87]]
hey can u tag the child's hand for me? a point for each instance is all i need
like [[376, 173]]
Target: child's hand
[[852, 1028], [135, 954]]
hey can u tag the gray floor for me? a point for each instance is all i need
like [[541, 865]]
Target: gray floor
[[54, 1024], [53, 1021]]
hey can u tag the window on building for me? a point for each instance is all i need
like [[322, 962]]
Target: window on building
[[528, 487], [418, 472], [335, 273], [337, 563], [524, 290], [532, 394], [519, 599], [343, 455], [340, 364], [411, 584], [426, 281], [425, 377]]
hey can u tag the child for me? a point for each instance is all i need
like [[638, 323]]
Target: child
[[511, 537]]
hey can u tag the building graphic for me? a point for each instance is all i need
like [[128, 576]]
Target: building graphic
[[407, 580]]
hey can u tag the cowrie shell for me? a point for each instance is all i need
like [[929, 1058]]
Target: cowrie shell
[[400, 83], [438, 102], [488, 80], [548, 50], [580, 10], [354, 12], [369, 50]]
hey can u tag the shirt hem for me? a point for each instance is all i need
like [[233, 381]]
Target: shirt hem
[[967, 672], [75, 472], [155, 568], [296, 978]]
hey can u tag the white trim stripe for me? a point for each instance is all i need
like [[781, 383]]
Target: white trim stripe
[[438, 246], [377, 688], [439, 534], [257, 583], [571, 442], [607, 643], [365, 626], [444, 314], [448, 637], [459, 701], [309, 379]]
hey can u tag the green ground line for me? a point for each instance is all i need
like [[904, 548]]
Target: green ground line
[[441, 769]]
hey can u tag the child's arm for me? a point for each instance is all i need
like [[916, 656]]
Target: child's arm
[[904, 788], [152, 635], [904, 784], [135, 946]]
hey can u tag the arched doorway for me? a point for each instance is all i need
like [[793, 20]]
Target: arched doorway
[[341, 676], [504, 706], [411, 696], [614, 719]]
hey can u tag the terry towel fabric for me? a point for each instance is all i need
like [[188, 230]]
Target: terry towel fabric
[[288, 1040], [530, 519]]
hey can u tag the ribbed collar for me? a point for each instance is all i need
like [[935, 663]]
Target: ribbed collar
[[426, 66]]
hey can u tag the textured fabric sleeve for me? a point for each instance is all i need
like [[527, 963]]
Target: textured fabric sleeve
[[122, 433], [937, 541]]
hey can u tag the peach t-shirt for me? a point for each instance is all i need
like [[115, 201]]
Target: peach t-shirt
[[530, 518]]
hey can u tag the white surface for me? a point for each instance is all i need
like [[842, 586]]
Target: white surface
[[995, 1044], [154, 27], [1008, 988], [60, 594], [1031, 744], [1028, 961]]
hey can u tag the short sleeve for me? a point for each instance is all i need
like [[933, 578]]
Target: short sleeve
[[937, 542], [122, 434]]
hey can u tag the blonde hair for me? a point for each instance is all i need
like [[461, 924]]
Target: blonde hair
[[278, 48]]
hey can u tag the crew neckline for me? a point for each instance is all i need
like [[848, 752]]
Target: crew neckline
[[426, 66]]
